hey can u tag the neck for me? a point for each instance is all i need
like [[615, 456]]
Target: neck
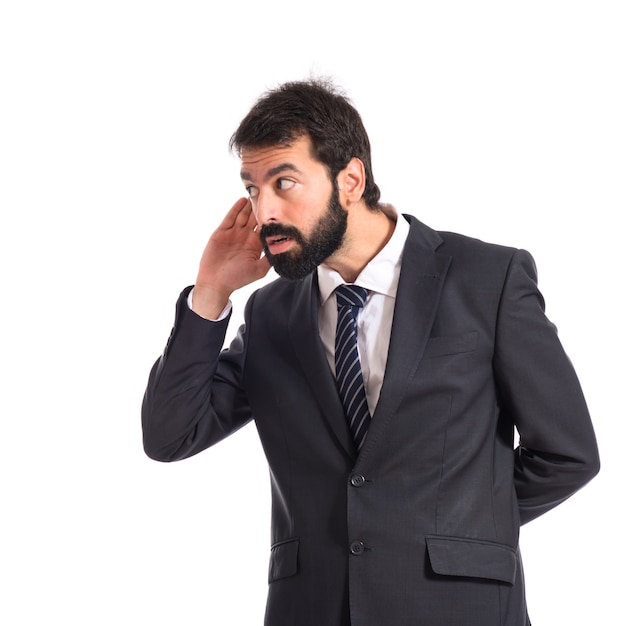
[[367, 234]]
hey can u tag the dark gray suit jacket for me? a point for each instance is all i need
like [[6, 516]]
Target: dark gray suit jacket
[[421, 528]]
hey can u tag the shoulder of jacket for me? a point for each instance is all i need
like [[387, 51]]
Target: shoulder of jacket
[[452, 243]]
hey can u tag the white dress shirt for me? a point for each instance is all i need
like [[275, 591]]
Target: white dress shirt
[[380, 276]]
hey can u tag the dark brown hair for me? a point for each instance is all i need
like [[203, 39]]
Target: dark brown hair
[[314, 108]]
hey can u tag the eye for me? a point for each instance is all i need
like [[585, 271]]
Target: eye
[[253, 192], [285, 183]]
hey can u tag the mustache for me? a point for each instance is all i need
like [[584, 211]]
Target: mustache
[[279, 230]]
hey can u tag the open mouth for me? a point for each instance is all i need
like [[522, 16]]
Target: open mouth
[[278, 244], [272, 241]]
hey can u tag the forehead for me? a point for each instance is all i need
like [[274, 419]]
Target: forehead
[[258, 162]]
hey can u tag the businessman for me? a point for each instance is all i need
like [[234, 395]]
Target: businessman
[[386, 370]]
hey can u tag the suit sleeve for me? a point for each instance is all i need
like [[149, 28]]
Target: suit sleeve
[[193, 398], [540, 392]]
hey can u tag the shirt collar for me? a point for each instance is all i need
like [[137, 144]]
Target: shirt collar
[[381, 274]]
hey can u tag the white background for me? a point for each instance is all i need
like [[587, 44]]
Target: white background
[[501, 120]]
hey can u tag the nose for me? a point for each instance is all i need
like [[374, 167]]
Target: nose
[[266, 209]]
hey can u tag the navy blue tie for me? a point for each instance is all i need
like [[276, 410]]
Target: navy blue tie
[[350, 299]]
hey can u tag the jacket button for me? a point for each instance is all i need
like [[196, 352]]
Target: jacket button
[[357, 480], [357, 548]]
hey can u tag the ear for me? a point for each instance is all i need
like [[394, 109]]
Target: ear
[[351, 182]]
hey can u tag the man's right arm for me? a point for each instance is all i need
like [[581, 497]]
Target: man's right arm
[[189, 403]]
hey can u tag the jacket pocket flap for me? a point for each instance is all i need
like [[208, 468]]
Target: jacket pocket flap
[[284, 559], [455, 556], [451, 344]]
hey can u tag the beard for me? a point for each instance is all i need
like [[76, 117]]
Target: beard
[[325, 239]]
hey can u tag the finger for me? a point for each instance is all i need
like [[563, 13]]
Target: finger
[[230, 219], [252, 221], [245, 218]]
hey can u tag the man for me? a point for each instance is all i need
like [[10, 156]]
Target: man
[[405, 510]]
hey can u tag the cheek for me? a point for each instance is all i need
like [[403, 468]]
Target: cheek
[[310, 209], [254, 207]]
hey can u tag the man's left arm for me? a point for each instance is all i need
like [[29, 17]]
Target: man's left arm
[[539, 390]]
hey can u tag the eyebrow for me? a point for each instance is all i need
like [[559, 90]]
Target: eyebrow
[[278, 169]]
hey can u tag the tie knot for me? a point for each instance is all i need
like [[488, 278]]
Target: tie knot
[[351, 295]]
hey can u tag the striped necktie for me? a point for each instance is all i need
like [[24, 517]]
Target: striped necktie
[[350, 299]]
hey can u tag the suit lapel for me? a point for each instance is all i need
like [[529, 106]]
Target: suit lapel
[[304, 333], [419, 289]]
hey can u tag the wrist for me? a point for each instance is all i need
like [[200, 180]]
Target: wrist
[[209, 302]]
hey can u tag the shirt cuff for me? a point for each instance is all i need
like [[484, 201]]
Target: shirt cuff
[[223, 315]]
